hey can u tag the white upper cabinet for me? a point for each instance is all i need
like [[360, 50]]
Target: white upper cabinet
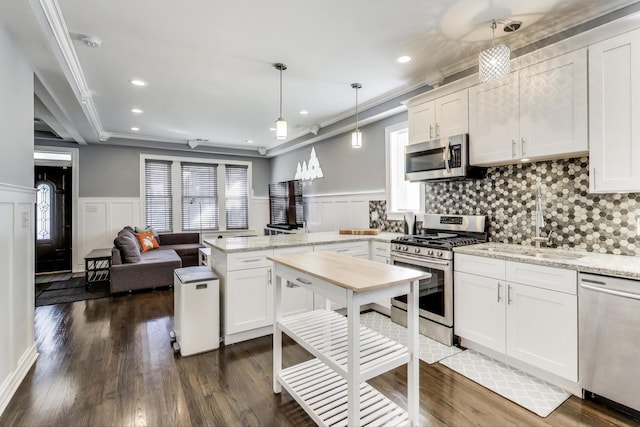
[[537, 113], [439, 118], [614, 114]]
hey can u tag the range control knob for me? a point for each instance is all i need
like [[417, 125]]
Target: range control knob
[[405, 249], [439, 253], [430, 252], [416, 250]]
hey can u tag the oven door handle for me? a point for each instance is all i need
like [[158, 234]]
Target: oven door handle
[[419, 261]]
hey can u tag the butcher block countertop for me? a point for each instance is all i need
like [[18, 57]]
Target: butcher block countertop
[[254, 243], [356, 274]]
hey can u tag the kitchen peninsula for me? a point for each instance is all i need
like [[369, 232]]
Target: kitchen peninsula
[[246, 276]]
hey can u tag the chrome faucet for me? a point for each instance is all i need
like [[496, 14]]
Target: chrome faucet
[[538, 221]]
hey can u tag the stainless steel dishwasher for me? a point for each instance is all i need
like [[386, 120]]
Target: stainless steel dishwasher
[[609, 310]]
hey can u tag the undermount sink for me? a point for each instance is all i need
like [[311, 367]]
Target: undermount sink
[[534, 253]]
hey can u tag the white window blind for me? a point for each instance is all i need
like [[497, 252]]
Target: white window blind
[[158, 200], [237, 197], [199, 197]]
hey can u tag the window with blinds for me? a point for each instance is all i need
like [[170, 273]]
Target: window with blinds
[[199, 197], [158, 199], [237, 197]]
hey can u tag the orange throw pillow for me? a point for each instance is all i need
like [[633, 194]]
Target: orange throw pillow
[[147, 241]]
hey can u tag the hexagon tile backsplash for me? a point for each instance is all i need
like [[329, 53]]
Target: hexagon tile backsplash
[[604, 223]]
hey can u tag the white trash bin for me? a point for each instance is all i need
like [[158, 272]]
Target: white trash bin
[[196, 310]]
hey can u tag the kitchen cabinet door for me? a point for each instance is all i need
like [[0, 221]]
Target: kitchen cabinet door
[[479, 310], [422, 122], [494, 122], [248, 300], [295, 299], [614, 114], [452, 114], [553, 107], [542, 329]]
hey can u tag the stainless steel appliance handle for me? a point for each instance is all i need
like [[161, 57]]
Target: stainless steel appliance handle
[[418, 261], [447, 156], [610, 291]]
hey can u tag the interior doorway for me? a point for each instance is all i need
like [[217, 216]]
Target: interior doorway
[[53, 218]]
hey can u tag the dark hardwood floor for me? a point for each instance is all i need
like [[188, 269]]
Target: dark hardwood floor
[[109, 362]]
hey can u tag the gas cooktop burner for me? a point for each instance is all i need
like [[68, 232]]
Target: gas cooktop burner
[[439, 240]]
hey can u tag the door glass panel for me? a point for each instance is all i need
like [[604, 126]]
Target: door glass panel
[[43, 211]]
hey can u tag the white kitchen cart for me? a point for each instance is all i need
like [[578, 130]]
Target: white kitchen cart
[[332, 388]]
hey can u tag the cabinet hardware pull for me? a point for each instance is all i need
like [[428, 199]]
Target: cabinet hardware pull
[[437, 130], [513, 148], [430, 132], [499, 287], [594, 178], [508, 294], [252, 260], [292, 285], [304, 282], [522, 146], [342, 250], [269, 276]]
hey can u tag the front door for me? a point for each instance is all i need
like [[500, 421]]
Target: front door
[[53, 218]]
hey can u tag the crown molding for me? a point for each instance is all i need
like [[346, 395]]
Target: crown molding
[[71, 65]]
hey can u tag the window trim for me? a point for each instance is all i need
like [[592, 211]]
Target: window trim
[[176, 180], [397, 216]]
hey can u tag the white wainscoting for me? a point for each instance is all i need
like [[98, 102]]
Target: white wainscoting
[[100, 219], [332, 212], [17, 258]]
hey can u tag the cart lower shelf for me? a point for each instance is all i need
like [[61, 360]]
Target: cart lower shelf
[[322, 393]]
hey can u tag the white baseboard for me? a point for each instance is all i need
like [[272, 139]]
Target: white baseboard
[[13, 381]]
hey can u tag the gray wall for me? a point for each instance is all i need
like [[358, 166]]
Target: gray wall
[[345, 169], [114, 171], [16, 114]]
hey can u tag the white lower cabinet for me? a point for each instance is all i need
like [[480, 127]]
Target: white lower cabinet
[[248, 300], [526, 311], [295, 299]]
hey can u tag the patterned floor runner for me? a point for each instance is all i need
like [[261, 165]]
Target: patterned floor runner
[[531, 393], [430, 351]]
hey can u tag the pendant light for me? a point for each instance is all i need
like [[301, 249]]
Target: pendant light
[[281, 124], [493, 63], [356, 136]]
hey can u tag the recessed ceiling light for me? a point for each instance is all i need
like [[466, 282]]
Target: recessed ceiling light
[[137, 82], [403, 59], [135, 129], [136, 111], [304, 112], [249, 141], [272, 129]]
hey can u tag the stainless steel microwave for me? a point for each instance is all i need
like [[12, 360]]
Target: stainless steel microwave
[[440, 159]]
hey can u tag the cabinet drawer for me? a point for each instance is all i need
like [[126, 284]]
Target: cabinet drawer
[[541, 276], [244, 260], [381, 249], [351, 248], [481, 266]]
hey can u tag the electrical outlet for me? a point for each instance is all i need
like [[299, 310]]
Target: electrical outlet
[[26, 220]]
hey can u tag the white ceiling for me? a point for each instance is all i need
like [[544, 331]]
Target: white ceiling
[[209, 64]]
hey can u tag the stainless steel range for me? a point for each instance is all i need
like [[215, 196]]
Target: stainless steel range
[[432, 251]]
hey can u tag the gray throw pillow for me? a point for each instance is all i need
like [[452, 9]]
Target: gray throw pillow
[[128, 231], [128, 247]]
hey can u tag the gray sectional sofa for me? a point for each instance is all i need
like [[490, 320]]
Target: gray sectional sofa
[[132, 269]]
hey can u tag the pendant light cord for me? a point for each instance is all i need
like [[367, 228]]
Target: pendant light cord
[[280, 92]]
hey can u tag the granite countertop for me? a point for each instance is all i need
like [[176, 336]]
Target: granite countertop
[[585, 262], [255, 243]]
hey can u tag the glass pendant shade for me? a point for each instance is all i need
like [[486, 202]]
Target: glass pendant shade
[[281, 128], [494, 63], [356, 139]]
